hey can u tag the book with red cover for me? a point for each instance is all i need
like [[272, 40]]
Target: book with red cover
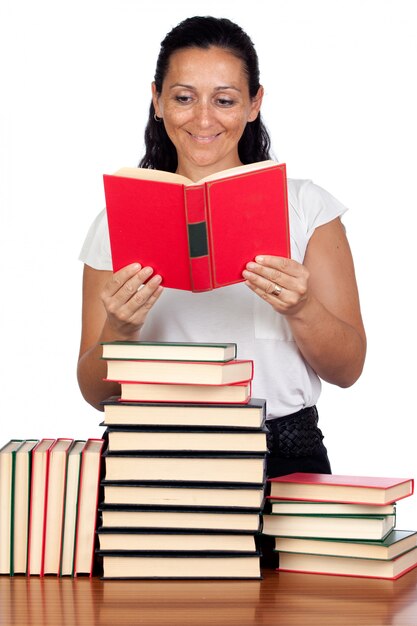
[[55, 502], [197, 235], [376, 490], [238, 393], [390, 569], [180, 372], [38, 504]]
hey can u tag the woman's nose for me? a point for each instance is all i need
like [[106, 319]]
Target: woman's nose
[[204, 113]]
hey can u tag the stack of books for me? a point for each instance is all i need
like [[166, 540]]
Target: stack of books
[[340, 525], [184, 466], [48, 506]]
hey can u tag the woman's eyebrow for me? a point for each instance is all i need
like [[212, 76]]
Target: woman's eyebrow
[[219, 88]]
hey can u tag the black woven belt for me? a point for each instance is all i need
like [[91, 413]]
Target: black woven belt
[[294, 435]]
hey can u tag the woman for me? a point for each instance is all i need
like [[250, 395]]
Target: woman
[[299, 319]]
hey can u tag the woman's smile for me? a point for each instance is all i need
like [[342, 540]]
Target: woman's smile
[[205, 106]]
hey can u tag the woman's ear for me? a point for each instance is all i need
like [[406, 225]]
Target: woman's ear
[[256, 104], [155, 100]]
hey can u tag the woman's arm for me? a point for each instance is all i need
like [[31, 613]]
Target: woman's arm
[[115, 307], [320, 301]]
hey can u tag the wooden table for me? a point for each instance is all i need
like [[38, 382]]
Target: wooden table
[[282, 599]]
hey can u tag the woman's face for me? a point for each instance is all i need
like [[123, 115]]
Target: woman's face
[[205, 106]]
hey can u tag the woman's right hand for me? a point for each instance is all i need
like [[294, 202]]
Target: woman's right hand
[[128, 297], [115, 307]]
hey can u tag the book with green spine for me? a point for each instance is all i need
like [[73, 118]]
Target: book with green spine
[[394, 544], [169, 351], [21, 506], [374, 527], [72, 486], [7, 466]]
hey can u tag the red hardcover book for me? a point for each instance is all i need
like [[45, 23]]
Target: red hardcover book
[[87, 507], [38, 503], [197, 235], [180, 372], [390, 569], [55, 501], [239, 393], [376, 490]]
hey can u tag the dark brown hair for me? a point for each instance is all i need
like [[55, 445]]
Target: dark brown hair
[[205, 32]]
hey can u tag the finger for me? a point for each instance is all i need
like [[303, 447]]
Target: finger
[[262, 285], [140, 298], [270, 295], [289, 281], [119, 279], [280, 264], [128, 289], [147, 305], [268, 280]]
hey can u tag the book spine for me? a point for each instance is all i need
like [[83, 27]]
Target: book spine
[[29, 470], [95, 496], [45, 509], [12, 511], [201, 275], [64, 498]]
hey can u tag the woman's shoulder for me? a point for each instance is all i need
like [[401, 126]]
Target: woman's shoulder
[[311, 203], [95, 251]]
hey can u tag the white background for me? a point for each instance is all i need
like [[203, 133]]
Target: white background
[[341, 107]]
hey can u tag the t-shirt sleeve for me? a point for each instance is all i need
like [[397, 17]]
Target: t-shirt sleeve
[[318, 206], [310, 206], [96, 251]]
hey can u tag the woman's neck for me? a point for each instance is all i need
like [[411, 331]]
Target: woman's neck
[[196, 172]]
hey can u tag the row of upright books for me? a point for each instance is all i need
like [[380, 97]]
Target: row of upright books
[[340, 525], [48, 506], [184, 465]]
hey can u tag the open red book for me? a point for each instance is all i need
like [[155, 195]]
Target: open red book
[[197, 235]]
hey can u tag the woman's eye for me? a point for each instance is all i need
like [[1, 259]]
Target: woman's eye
[[225, 102], [183, 99]]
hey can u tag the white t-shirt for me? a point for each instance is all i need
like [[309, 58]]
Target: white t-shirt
[[236, 314]]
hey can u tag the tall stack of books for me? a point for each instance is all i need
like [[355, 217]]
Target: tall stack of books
[[184, 467], [48, 506], [340, 525]]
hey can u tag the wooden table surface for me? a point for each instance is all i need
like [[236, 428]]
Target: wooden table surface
[[279, 599]]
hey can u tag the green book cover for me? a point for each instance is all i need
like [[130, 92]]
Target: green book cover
[[169, 351], [20, 503], [72, 488], [394, 544], [7, 465]]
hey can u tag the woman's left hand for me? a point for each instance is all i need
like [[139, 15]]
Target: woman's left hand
[[282, 282], [320, 301]]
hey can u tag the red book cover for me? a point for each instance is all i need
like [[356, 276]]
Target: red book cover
[[55, 503], [38, 504], [386, 569], [341, 488], [198, 236], [320, 573], [239, 393], [180, 372]]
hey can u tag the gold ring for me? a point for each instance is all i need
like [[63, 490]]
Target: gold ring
[[277, 290]]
